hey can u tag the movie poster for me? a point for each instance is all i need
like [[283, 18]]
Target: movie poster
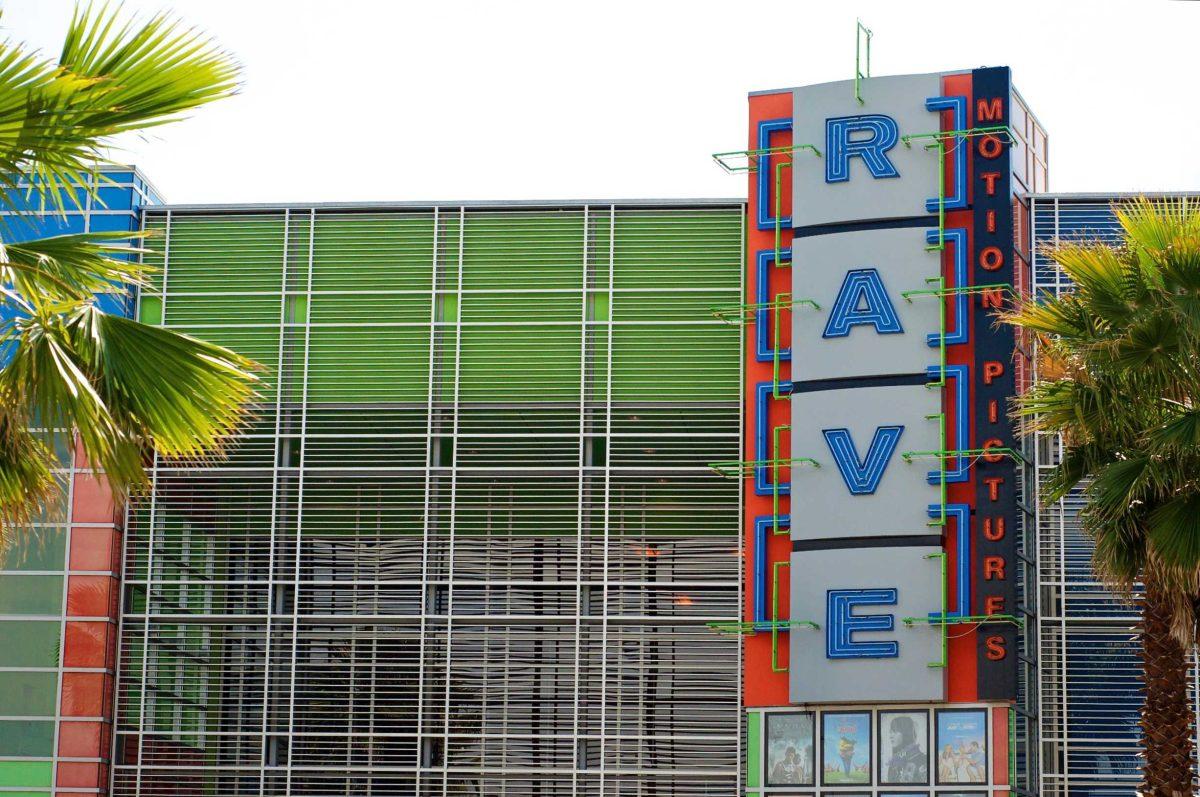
[[846, 748], [962, 746], [790, 749], [904, 748]]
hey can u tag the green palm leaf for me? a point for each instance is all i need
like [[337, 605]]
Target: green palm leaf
[[58, 120], [123, 388], [1123, 391]]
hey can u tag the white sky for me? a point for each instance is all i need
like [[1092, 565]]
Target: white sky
[[360, 100]]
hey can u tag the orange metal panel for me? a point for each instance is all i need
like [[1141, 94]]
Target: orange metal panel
[[87, 644], [83, 694]]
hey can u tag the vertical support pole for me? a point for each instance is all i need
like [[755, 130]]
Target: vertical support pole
[[608, 406], [153, 520], [427, 512], [580, 508], [300, 480], [275, 483], [454, 422]]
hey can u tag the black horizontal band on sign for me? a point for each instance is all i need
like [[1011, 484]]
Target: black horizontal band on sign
[[840, 383], [901, 541]]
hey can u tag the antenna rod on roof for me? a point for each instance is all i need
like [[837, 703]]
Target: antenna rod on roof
[[862, 65]]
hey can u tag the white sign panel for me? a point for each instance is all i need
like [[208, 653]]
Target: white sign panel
[[864, 487], [865, 172], [863, 324], [862, 649]]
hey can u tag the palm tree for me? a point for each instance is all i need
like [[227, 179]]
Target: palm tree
[[1119, 360], [125, 389]]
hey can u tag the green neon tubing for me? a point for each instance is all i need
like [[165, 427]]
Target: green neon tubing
[[944, 488], [738, 469], [976, 619], [945, 595], [941, 242], [939, 143], [941, 292], [782, 300], [775, 615], [775, 394], [859, 74], [976, 453], [744, 313], [941, 455], [775, 478], [779, 214], [750, 628], [1012, 750], [752, 156]]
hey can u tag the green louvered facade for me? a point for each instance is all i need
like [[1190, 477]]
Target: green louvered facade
[[469, 542]]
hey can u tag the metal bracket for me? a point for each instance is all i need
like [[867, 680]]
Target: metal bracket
[[862, 66], [938, 141], [740, 469]]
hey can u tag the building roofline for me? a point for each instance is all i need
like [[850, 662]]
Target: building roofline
[[468, 203], [137, 172], [1113, 194]]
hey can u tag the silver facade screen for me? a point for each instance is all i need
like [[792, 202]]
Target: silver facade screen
[[470, 542]]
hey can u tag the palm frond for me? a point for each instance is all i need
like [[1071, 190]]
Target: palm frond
[[73, 266], [183, 395], [26, 472], [58, 120], [1120, 553], [1174, 532], [1123, 391], [127, 388], [1178, 433], [1119, 485], [1155, 226], [52, 381], [1100, 277]]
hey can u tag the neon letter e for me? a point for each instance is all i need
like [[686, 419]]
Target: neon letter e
[[841, 623]]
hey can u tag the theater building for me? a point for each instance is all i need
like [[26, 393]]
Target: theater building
[[678, 498]]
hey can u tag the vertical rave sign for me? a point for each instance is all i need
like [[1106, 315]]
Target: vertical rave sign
[[856, 438], [995, 383]]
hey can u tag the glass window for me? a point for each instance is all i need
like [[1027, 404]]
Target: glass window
[[35, 549], [26, 773], [28, 694], [31, 595], [26, 737], [29, 643]]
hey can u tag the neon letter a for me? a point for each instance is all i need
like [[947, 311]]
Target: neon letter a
[[862, 299], [862, 476]]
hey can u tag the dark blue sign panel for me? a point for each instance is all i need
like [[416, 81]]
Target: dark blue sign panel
[[995, 383]]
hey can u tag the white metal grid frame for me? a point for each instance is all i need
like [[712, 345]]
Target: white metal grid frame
[[1088, 668], [429, 607]]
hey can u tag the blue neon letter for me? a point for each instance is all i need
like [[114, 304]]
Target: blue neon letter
[[841, 623], [862, 299], [839, 148], [862, 476]]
